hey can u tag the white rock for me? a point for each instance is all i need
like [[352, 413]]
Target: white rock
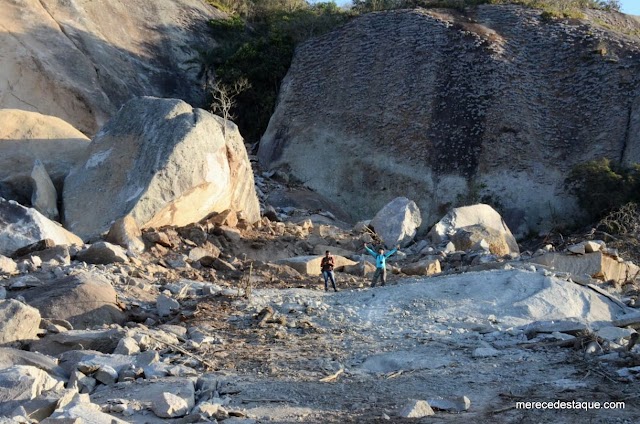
[[24, 226], [165, 305], [614, 334], [397, 222], [457, 404], [168, 405], [127, 346], [7, 266], [416, 409], [593, 246], [21, 383]]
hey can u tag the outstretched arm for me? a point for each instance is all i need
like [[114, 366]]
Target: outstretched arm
[[371, 252], [392, 251]]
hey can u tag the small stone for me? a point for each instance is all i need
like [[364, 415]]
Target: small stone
[[165, 305], [483, 352], [457, 404], [168, 405], [106, 375], [578, 249], [593, 246], [7, 266], [127, 346], [416, 409]]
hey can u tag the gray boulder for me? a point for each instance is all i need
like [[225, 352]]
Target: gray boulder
[[78, 340], [21, 383], [20, 227], [103, 253], [44, 197], [17, 321], [397, 222], [416, 409], [84, 299], [163, 163]]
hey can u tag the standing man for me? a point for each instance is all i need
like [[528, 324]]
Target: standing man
[[381, 263], [327, 265]]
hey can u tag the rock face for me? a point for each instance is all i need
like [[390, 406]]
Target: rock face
[[438, 107], [80, 61], [19, 321], [20, 227], [469, 225], [397, 222], [163, 163], [26, 137]]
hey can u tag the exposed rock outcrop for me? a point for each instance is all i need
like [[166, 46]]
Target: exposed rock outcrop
[[446, 108], [27, 137], [80, 61], [163, 163]]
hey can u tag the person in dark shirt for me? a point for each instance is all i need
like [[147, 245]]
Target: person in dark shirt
[[327, 265]]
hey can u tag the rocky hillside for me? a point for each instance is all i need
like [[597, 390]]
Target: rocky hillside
[[81, 60], [496, 104]]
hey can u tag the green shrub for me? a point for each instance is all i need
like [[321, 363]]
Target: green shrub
[[602, 187]]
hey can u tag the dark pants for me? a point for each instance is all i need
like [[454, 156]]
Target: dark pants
[[380, 273], [328, 275]]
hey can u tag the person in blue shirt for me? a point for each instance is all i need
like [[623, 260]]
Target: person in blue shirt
[[381, 263]]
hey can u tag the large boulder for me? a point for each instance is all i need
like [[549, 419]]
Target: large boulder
[[80, 61], [163, 163], [20, 227], [27, 137], [479, 221], [17, 321], [44, 197], [84, 299], [597, 265], [471, 238], [438, 108], [397, 222]]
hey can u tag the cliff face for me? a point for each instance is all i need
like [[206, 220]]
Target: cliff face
[[445, 108], [80, 60]]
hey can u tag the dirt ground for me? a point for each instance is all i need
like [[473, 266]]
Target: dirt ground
[[271, 366]]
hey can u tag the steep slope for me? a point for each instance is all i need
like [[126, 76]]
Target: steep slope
[[496, 104], [80, 60]]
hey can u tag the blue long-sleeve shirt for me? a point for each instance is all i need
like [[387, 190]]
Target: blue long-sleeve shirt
[[381, 260]]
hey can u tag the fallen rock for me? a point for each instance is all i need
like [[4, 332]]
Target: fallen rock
[[7, 266], [125, 233], [10, 357], [20, 227], [79, 412], [597, 265], [476, 215], [60, 254], [424, 267], [416, 409], [477, 237], [484, 352], [20, 322], [21, 383], [99, 340], [206, 257], [615, 334], [103, 253], [33, 247], [310, 265], [127, 346], [165, 305], [362, 268], [457, 404], [397, 222], [163, 163], [153, 394], [85, 299], [44, 197]]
